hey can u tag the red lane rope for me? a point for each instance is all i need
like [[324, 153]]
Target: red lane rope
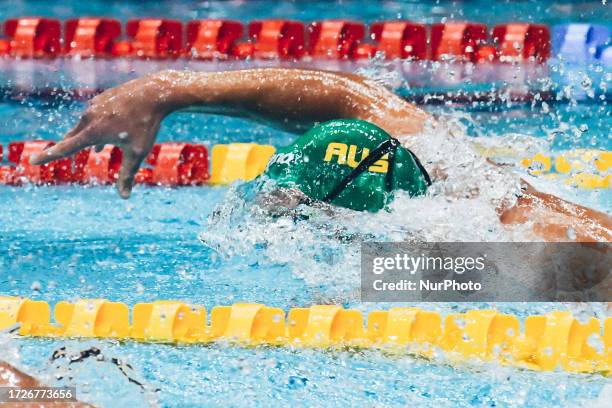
[[170, 164], [214, 39]]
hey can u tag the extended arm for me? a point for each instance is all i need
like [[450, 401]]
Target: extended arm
[[292, 99], [129, 115]]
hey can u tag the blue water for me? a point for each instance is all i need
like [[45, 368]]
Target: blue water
[[547, 11], [63, 243]]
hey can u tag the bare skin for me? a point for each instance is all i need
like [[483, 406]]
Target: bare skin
[[129, 116], [12, 377]]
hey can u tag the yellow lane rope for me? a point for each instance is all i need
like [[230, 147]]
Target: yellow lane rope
[[555, 340], [583, 168]]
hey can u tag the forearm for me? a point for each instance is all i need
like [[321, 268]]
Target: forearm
[[130, 114], [12, 377], [290, 99], [279, 97], [555, 219]]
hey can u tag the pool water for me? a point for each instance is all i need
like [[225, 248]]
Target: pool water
[[546, 11], [65, 242]]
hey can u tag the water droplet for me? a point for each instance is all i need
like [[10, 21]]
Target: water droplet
[[586, 82], [594, 341], [295, 382], [460, 322]]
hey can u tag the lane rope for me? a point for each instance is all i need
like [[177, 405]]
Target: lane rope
[[547, 342], [582, 168], [278, 39], [187, 164]]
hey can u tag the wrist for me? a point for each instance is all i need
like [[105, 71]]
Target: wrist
[[163, 90], [175, 90]]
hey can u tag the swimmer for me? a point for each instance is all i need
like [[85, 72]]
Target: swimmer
[[12, 377], [399, 138]]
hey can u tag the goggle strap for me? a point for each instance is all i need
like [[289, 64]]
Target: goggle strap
[[421, 167], [385, 147]]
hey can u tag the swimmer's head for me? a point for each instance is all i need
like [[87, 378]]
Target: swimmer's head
[[349, 163]]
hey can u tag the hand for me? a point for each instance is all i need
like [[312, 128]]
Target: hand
[[127, 116]]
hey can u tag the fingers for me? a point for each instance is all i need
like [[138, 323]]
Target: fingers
[[129, 167], [63, 149], [85, 119], [66, 147]]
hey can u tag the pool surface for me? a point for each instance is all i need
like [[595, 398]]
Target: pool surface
[[70, 242]]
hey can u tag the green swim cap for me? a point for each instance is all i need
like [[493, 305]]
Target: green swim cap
[[350, 163]]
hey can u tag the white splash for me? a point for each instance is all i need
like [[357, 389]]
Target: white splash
[[323, 248]]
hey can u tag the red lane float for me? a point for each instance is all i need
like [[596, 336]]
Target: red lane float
[[98, 167], [486, 53], [521, 41], [91, 37], [176, 164], [458, 41], [19, 153], [171, 164], [396, 40], [335, 39], [32, 37], [154, 38], [276, 39], [212, 39]]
